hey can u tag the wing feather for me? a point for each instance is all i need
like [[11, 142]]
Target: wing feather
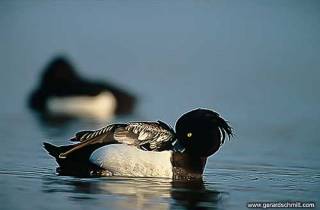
[[153, 136], [88, 135]]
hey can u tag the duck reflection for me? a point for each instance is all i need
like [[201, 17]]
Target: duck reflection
[[194, 195], [137, 193]]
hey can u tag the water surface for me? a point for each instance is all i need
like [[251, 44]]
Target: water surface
[[255, 62]]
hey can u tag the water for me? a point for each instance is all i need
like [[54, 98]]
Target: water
[[255, 62]]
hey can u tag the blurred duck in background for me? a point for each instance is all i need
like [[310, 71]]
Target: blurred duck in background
[[64, 93]]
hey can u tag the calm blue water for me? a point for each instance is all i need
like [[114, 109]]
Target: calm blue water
[[255, 62]]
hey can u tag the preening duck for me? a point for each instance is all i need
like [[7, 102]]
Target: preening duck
[[63, 92], [145, 149]]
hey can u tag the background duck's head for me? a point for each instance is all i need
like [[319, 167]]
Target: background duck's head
[[59, 71], [201, 132]]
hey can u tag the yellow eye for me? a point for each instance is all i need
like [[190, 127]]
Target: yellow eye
[[189, 135]]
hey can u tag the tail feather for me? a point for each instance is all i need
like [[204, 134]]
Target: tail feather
[[76, 164], [52, 149]]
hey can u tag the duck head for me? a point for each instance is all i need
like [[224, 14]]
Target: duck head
[[59, 71], [201, 132]]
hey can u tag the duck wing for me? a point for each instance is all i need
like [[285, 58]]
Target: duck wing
[[151, 136]]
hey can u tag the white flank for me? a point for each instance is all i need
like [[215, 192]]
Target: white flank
[[101, 106], [124, 160]]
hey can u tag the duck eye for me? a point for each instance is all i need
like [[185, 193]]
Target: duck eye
[[189, 135]]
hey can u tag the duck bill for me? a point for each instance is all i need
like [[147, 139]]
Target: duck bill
[[178, 147]]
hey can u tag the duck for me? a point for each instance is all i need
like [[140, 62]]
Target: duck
[[145, 149], [63, 92]]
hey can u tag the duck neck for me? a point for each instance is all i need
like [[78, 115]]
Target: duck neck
[[187, 166]]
